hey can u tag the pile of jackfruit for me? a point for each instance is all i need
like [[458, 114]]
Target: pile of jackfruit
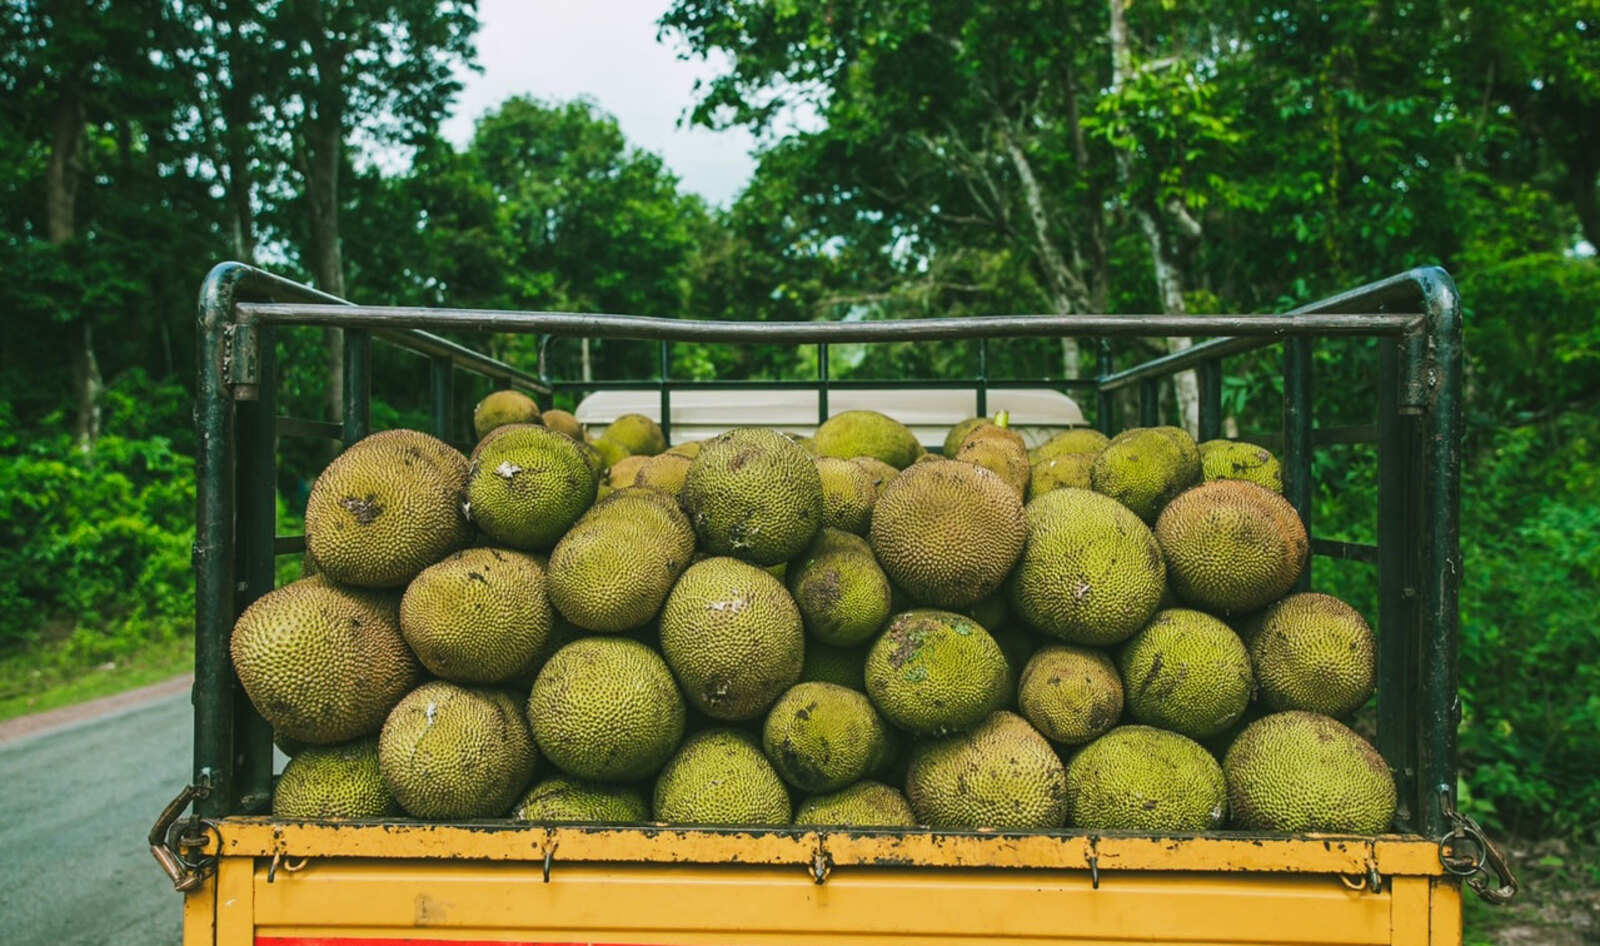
[[763, 629]]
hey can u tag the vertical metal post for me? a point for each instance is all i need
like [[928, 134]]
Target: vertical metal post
[[1210, 399], [666, 392], [357, 384], [1297, 449], [441, 395], [1441, 540], [822, 383], [214, 684], [983, 378], [1398, 629], [256, 528], [1150, 402], [1105, 403]]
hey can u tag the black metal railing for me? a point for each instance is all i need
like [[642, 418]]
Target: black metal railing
[[1415, 317]]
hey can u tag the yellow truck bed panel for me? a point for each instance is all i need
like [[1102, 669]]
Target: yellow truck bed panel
[[304, 884]]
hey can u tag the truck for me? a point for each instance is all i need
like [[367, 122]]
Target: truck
[[248, 878]]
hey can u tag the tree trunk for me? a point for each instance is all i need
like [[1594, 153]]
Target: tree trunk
[[1059, 278], [324, 145], [1163, 254], [63, 172], [236, 135]]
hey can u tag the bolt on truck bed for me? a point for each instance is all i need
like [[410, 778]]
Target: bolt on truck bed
[[248, 878]]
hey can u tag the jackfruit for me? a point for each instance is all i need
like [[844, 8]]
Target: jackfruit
[[625, 471], [664, 473], [1232, 546], [606, 708], [821, 737], [733, 637], [1232, 460], [847, 495], [720, 777], [1145, 468], [948, 532], [880, 471], [610, 451], [689, 448], [863, 805], [936, 672], [613, 570], [561, 798], [1187, 672], [501, 408], [1139, 778], [323, 663], [563, 422], [479, 616], [339, 781], [958, 435], [845, 666], [637, 434], [1091, 573], [867, 434], [1001, 775], [386, 508], [1072, 441], [528, 487], [1302, 772], [753, 494], [842, 594], [1067, 470], [1314, 652], [452, 752], [1001, 451], [1070, 694]]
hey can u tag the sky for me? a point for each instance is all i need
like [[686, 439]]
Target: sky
[[560, 49]]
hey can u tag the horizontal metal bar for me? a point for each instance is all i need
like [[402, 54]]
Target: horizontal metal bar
[[599, 325], [431, 345], [1321, 436], [927, 384], [288, 544], [313, 429], [1349, 551]]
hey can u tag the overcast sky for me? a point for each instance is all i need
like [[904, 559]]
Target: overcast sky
[[561, 49]]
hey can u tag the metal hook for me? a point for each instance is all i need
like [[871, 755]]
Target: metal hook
[[1358, 883], [821, 863], [1094, 871], [272, 869], [549, 858]]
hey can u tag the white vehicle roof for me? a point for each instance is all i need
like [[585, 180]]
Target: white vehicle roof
[[1036, 413]]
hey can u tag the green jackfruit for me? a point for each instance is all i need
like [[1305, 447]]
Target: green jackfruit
[[1232, 460], [720, 777], [948, 532], [1303, 772], [561, 798], [563, 422], [501, 408], [1002, 452], [665, 473], [867, 434], [935, 672], [613, 570], [1091, 573], [753, 494], [1070, 694], [606, 708], [1188, 672], [1067, 470], [847, 495], [880, 471], [386, 508], [479, 616], [1139, 778], [528, 486], [323, 663], [1002, 775], [1146, 467], [452, 752], [958, 435], [733, 637], [1232, 546], [821, 736], [842, 594], [637, 434], [1314, 652], [1072, 441], [339, 781], [863, 805]]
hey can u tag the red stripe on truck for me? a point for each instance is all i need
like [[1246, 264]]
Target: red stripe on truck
[[370, 941]]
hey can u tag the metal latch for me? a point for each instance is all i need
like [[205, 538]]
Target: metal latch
[[180, 850], [1467, 853]]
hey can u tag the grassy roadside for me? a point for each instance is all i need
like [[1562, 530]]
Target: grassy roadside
[[1558, 905], [44, 679]]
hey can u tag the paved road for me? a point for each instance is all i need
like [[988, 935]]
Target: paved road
[[75, 805]]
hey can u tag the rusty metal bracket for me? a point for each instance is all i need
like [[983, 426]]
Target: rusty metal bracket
[[1468, 853], [821, 861], [180, 854], [242, 359]]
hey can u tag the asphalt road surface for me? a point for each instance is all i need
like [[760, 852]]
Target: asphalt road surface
[[76, 801]]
